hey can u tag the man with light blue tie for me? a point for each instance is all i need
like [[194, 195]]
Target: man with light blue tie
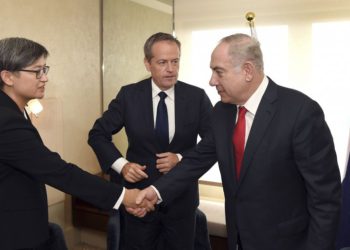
[[162, 118]]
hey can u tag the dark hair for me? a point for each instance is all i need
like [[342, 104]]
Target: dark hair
[[17, 53], [157, 37]]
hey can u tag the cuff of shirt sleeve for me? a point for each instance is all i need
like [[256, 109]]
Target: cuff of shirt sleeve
[[119, 164], [158, 194], [120, 200], [179, 157]]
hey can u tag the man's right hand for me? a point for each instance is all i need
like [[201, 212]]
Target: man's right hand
[[133, 172], [138, 208], [147, 195]]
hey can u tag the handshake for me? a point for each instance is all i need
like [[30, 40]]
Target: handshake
[[140, 202]]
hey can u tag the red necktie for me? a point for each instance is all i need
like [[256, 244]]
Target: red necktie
[[239, 139]]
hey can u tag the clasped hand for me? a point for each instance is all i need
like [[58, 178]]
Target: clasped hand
[[134, 172], [139, 202]]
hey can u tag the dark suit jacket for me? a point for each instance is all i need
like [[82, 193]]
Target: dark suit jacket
[[133, 110], [26, 165], [288, 194]]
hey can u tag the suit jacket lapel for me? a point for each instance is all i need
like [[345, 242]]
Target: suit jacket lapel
[[6, 101], [230, 121], [263, 117], [224, 116], [180, 110], [145, 103]]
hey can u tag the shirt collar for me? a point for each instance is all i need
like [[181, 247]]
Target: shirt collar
[[155, 91], [253, 102]]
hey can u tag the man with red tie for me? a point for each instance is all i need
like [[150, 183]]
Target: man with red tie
[[279, 168]]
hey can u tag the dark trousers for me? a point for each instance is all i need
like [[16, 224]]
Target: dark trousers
[[159, 231], [114, 231], [201, 240], [116, 225], [239, 244], [56, 240]]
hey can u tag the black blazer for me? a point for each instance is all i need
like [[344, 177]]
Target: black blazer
[[288, 194], [26, 165], [132, 110]]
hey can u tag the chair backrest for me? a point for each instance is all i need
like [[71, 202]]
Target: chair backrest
[[56, 240]]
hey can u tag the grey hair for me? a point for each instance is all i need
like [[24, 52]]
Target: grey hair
[[244, 48], [17, 53]]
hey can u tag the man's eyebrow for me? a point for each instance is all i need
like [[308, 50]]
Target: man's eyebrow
[[217, 68]]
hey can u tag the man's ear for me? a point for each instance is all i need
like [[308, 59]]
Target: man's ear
[[147, 64], [6, 77], [248, 68]]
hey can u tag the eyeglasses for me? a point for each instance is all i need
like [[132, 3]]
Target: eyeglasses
[[38, 73]]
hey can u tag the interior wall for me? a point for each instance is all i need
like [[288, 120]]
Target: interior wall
[[126, 26], [205, 10], [227, 14], [70, 31]]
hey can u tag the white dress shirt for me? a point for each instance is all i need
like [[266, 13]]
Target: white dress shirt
[[252, 106], [170, 103]]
